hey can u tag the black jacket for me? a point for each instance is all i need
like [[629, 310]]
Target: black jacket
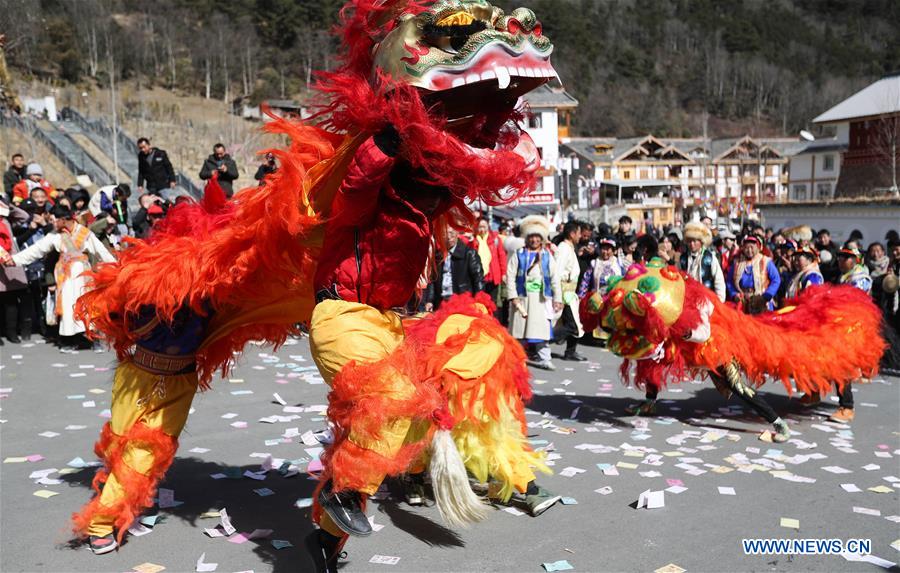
[[465, 268], [262, 171], [211, 165], [10, 178], [155, 171]]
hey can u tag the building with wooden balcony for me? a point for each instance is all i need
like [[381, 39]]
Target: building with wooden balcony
[[721, 176]]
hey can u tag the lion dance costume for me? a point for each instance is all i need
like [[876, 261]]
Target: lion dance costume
[[419, 118], [669, 326]]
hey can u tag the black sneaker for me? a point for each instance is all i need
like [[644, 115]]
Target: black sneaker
[[325, 550], [575, 356], [345, 508], [414, 489], [539, 502], [101, 545]]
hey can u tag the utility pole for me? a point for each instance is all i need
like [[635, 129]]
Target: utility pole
[[115, 121]]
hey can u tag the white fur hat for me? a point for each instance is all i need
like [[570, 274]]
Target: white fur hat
[[697, 230], [534, 225], [799, 233]]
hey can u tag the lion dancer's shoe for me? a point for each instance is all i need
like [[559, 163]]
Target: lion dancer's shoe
[[647, 407], [345, 508]]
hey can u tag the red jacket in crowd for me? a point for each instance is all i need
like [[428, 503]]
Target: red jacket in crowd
[[495, 274]]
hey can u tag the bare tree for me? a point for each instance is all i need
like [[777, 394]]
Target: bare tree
[[887, 146]]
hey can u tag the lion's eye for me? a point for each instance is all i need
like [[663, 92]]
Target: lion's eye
[[451, 37]]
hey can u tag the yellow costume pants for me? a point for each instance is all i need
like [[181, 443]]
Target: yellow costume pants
[[148, 413], [490, 446], [341, 332]]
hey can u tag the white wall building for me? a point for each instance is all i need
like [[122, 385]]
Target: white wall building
[[814, 171], [545, 126]]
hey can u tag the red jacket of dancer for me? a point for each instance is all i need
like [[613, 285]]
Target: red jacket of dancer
[[378, 241]]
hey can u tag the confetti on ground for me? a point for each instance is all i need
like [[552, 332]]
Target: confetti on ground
[[148, 568], [790, 523], [384, 560], [45, 493], [203, 567]]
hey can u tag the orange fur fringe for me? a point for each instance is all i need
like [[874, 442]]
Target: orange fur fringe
[[138, 489]]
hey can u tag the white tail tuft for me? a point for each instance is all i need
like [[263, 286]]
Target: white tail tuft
[[458, 504]]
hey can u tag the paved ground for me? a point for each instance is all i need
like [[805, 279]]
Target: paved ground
[[699, 529]]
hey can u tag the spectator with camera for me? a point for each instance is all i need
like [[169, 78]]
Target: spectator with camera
[[223, 167], [267, 167]]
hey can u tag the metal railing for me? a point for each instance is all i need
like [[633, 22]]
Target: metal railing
[[68, 158], [127, 147]]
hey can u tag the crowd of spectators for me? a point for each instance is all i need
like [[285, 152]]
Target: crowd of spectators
[[32, 208], [758, 268]]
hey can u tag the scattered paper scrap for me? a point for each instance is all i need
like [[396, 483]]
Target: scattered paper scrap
[[790, 523], [45, 493], [651, 500], [562, 565], [384, 560], [202, 566], [148, 568], [881, 489], [670, 568], [281, 543], [726, 490]]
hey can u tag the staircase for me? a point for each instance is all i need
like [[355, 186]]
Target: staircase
[[74, 156], [100, 135]]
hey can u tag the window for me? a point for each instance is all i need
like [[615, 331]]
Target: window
[[660, 172], [626, 174], [607, 173], [823, 190], [645, 174], [828, 163], [770, 170], [534, 121], [799, 192]]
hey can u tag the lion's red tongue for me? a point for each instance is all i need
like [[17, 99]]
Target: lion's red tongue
[[514, 138]]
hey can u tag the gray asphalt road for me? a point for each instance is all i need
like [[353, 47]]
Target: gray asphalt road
[[699, 529]]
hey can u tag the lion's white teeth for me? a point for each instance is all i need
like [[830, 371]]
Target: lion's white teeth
[[503, 77]]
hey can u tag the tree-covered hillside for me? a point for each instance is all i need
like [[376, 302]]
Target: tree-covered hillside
[[637, 66]]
